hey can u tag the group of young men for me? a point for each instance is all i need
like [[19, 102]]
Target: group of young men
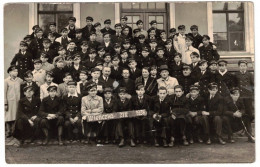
[[57, 80]]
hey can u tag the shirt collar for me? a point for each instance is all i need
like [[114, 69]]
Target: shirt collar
[[223, 73], [75, 94], [90, 98]]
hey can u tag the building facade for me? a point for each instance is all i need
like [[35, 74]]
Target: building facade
[[229, 24]]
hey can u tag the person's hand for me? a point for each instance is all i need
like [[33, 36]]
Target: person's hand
[[173, 116], [237, 114], [84, 117], [193, 114], [201, 44], [188, 95], [214, 47], [197, 83], [76, 119], [154, 116], [33, 118], [30, 122], [6, 107], [205, 113], [128, 96], [72, 120]]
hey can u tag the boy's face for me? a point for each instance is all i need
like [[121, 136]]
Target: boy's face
[[222, 67], [194, 59], [29, 78], [123, 21], [64, 33], [145, 73], [194, 31], [186, 72], [163, 35], [71, 22], [98, 28], [107, 38], [122, 96], [153, 72], [53, 28], [71, 89], [83, 77], [205, 41], [140, 25], [107, 25], [115, 62], [177, 59], [164, 74], [132, 51], [89, 22], [153, 44], [108, 95], [118, 49], [213, 67], [72, 45], [243, 66], [118, 29], [79, 35], [126, 31], [61, 52], [39, 34], [52, 93], [162, 94], [172, 33], [140, 92], [49, 78], [14, 73], [213, 91], [92, 55], [145, 53], [169, 45], [194, 93], [132, 65], [95, 75], [67, 79], [23, 48], [93, 91], [29, 93], [126, 45], [152, 33], [107, 59], [188, 42], [84, 47], [106, 71], [38, 66], [60, 64], [160, 53], [124, 55], [137, 34], [52, 38], [142, 40], [125, 74], [46, 45], [203, 66], [182, 31], [76, 61], [154, 25], [179, 92], [235, 96], [93, 37]]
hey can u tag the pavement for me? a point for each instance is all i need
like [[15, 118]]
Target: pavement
[[241, 151]]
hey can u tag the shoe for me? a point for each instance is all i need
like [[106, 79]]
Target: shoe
[[185, 142], [230, 139], [98, 141], [144, 142], [60, 141], [191, 141], [121, 144], [67, 142], [165, 143], [200, 140], [208, 142], [106, 141], [251, 139], [221, 141], [156, 143], [46, 141], [171, 144], [132, 143], [86, 141]]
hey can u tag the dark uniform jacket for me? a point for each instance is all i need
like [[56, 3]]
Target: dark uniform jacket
[[36, 89], [195, 71], [153, 53], [161, 61], [32, 48], [38, 42], [116, 74], [162, 108], [109, 48], [78, 42], [108, 83], [23, 62], [28, 109], [110, 31], [151, 86], [51, 52], [230, 107], [117, 39], [208, 53], [49, 106], [93, 44], [175, 70], [111, 107], [179, 106], [130, 86], [86, 31], [215, 106], [84, 56], [197, 40], [135, 74], [72, 106], [75, 73], [89, 64], [245, 82], [147, 61], [55, 45], [196, 105], [124, 64], [204, 81], [144, 104], [72, 32], [126, 106], [58, 74], [186, 82], [170, 53]]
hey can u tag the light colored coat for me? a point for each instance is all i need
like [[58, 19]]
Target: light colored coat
[[92, 106]]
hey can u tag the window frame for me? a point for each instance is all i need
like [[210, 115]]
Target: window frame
[[227, 12]]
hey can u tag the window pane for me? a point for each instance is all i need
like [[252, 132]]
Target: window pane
[[235, 6], [44, 20], [160, 26], [134, 26], [129, 19], [130, 25], [126, 5], [151, 18], [64, 7], [143, 5], [160, 5], [220, 39], [236, 21], [135, 19], [236, 41], [135, 5], [219, 5], [62, 20], [159, 19], [46, 7], [219, 22], [151, 5]]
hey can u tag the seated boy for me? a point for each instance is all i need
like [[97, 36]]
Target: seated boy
[[38, 73], [28, 77], [63, 87], [48, 82], [134, 71]]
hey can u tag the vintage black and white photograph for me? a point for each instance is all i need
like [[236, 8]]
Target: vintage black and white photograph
[[129, 82]]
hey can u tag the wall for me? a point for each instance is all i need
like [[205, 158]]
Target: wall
[[16, 21], [99, 12], [190, 13]]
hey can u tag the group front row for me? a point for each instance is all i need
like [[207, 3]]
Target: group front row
[[170, 118]]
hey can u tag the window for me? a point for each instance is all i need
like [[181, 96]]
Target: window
[[228, 26], [58, 13], [132, 19], [144, 5]]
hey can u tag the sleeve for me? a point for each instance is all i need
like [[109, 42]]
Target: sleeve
[[84, 110], [13, 62], [20, 112], [216, 55], [226, 109]]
